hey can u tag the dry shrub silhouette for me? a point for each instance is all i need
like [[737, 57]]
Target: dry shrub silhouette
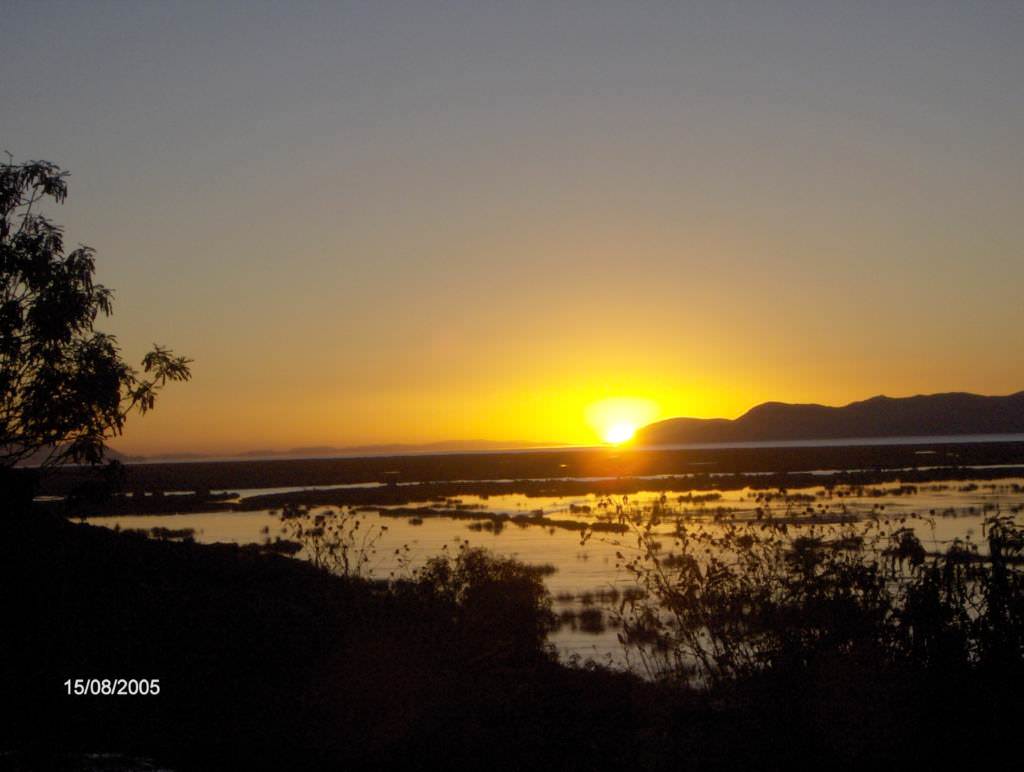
[[727, 602], [337, 541]]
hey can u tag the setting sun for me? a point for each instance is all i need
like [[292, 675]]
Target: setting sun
[[615, 420], [619, 433]]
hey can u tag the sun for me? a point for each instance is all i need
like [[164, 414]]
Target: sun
[[618, 433], [616, 419]]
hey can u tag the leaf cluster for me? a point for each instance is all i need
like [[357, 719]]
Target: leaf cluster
[[64, 387]]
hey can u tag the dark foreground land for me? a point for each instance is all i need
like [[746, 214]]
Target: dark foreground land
[[267, 662]]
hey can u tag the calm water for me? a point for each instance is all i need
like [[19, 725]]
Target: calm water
[[586, 573]]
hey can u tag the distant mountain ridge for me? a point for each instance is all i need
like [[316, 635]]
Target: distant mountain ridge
[[923, 415], [328, 451]]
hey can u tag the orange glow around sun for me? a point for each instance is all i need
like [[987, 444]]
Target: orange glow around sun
[[616, 419]]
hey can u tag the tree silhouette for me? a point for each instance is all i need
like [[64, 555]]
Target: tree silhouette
[[64, 389]]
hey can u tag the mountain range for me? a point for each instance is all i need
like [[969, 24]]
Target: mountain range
[[923, 415]]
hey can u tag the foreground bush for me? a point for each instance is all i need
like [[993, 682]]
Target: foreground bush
[[730, 602], [500, 606]]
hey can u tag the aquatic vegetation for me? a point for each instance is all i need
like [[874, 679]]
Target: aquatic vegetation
[[491, 526], [173, 533], [567, 618], [163, 534], [591, 620]]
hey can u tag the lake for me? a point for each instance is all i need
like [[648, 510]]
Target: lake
[[586, 577]]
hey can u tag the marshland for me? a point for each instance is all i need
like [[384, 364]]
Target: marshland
[[581, 531]]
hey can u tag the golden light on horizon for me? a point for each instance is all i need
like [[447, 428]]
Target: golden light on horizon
[[619, 433], [616, 419]]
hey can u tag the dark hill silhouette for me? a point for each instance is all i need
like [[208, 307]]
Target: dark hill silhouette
[[922, 415]]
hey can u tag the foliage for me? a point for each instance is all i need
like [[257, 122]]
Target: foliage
[[64, 389], [734, 600]]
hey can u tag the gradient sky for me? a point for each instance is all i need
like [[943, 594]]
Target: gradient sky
[[377, 222]]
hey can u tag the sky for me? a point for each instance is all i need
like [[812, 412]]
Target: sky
[[407, 222]]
